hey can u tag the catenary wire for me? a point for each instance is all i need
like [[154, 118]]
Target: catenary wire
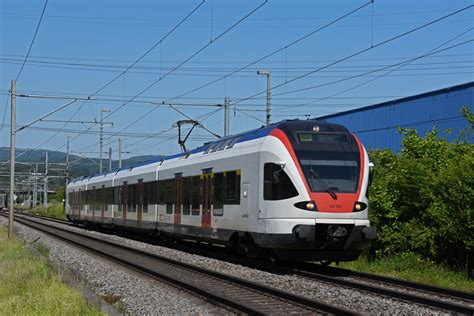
[[115, 78], [362, 51], [26, 58]]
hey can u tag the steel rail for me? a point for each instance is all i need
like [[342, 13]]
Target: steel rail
[[324, 274], [246, 296], [400, 282], [401, 294]]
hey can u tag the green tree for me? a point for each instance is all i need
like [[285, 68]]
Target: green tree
[[422, 199]]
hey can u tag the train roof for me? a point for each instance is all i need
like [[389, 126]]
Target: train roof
[[225, 142]]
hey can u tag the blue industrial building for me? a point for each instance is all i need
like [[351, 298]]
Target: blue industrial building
[[377, 125]]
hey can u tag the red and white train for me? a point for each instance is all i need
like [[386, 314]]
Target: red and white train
[[297, 189]]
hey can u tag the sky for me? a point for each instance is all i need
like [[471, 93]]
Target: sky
[[152, 63]]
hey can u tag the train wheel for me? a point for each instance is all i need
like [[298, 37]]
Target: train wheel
[[273, 257], [248, 246]]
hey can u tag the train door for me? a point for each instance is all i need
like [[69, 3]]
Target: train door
[[206, 199], [140, 202], [178, 197], [245, 200]]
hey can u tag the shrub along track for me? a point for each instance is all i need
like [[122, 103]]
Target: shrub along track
[[234, 293], [440, 298]]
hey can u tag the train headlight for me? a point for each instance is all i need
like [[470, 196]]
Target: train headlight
[[307, 206], [359, 206]]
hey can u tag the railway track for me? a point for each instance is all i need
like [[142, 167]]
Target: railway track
[[440, 298], [235, 293]]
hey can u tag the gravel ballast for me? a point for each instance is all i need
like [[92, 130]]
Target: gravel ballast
[[142, 296], [137, 294]]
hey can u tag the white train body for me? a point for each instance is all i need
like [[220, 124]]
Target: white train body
[[296, 187]]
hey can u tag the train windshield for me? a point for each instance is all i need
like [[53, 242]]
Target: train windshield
[[330, 171]]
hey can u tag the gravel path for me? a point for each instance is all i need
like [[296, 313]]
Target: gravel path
[[139, 294]]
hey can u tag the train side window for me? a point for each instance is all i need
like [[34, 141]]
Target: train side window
[[92, 202], [153, 192], [109, 196], [146, 196], [166, 189], [187, 195], [196, 195], [232, 188], [124, 196], [103, 201], [276, 183], [218, 194], [141, 196], [117, 193], [131, 198]]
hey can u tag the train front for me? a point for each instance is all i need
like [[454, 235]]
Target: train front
[[315, 181]]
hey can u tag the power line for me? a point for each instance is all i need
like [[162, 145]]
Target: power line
[[232, 62], [248, 65], [211, 42], [363, 51], [24, 61], [434, 51], [212, 72], [441, 120], [275, 51], [134, 63]]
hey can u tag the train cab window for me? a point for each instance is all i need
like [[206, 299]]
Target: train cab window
[[276, 183], [187, 195], [232, 188], [196, 195], [218, 194]]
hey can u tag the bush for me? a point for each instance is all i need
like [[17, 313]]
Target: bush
[[422, 199]]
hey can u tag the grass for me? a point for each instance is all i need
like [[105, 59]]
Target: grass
[[412, 267], [29, 286], [55, 210]]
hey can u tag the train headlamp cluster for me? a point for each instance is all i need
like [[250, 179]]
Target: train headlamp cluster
[[306, 205], [359, 206]]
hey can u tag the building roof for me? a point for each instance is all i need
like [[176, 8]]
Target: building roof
[[392, 102]]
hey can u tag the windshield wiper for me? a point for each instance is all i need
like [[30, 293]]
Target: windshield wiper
[[324, 184]]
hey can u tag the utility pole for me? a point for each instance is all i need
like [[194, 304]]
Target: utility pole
[[110, 159], [226, 115], [269, 75], [45, 193], [12, 156], [101, 136], [120, 153], [35, 189], [67, 174]]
